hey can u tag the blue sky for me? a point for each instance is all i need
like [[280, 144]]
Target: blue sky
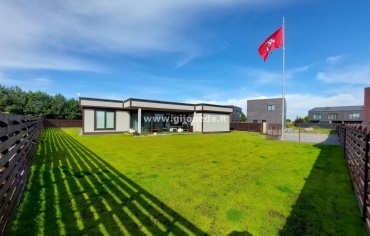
[[188, 51]]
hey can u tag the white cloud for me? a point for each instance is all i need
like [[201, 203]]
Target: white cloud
[[291, 73], [265, 76], [352, 74], [300, 104], [33, 84], [52, 34], [186, 60], [333, 59], [297, 104]]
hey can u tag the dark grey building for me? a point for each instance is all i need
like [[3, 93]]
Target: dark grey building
[[266, 110], [236, 116], [339, 115]]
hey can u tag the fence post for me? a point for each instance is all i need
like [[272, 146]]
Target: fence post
[[344, 141], [366, 183], [261, 128]]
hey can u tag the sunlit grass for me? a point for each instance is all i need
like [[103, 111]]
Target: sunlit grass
[[215, 184]]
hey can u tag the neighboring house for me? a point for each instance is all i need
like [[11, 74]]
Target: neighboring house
[[266, 110], [113, 116], [236, 116], [339, 115]]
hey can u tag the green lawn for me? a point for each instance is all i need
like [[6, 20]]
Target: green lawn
[[216, 184]]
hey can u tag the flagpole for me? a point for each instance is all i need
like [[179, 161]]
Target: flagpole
[[283, 78]]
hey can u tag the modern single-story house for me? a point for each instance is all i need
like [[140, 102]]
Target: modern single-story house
[[266, 110], [339, 115], [140, 115]]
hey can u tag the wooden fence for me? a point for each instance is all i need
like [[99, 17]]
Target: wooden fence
[[325, 126], [49, 123], [354, 140], [253, 127], [273, 131], [19, 136]]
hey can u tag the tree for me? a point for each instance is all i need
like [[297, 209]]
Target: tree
[[3, 98], [58, 108], [43, 105], [244, 117], [300, 120], [12, 100], [306, 120], [16, 101], [73, 108]]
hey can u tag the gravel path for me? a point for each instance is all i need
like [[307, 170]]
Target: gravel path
[[329, 139]]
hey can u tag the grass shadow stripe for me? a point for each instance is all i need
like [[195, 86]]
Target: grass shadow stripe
[[153, 221], [109, 201], [112, 187], [86, 195], [136, 195]]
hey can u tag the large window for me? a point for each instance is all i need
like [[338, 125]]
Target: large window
[[271, 107], [104, 119], [354, 116], [317, 116], [177, 119], [332, 116]]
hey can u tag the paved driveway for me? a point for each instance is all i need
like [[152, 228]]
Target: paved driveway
[[329, 139]]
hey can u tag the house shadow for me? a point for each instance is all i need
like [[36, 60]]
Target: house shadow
[[326, 204], [73, 191]]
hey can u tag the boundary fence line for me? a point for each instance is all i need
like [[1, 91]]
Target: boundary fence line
[[51, 123], [252, 127], [354, 140], [272, 131], [19, 136]]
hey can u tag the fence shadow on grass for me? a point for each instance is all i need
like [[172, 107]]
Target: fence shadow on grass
[[326, 205], [73, 191]]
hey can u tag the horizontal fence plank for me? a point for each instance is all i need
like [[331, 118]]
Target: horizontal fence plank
[[325, 126], [19, 136], [251, 127], [62, 123], [354, 140]]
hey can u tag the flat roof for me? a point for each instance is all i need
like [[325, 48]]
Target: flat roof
[[134, 103], [176, 103], [338, 108], [262, 99]]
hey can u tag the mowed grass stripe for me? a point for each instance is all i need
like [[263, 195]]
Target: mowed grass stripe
[[215, 184]]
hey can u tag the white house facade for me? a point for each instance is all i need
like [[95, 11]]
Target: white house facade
[[140, 115]]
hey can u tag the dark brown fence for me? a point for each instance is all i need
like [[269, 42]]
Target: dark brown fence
[[323, 125], [50, 123], [273, 131], [354, 140], [252, 127], [19, 136]]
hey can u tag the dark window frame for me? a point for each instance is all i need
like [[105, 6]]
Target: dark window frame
[[271, 107], [315, 116], [332, 116], [354, 116], [105, 119]]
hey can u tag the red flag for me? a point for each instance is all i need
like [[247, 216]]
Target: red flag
[[271, 43]]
